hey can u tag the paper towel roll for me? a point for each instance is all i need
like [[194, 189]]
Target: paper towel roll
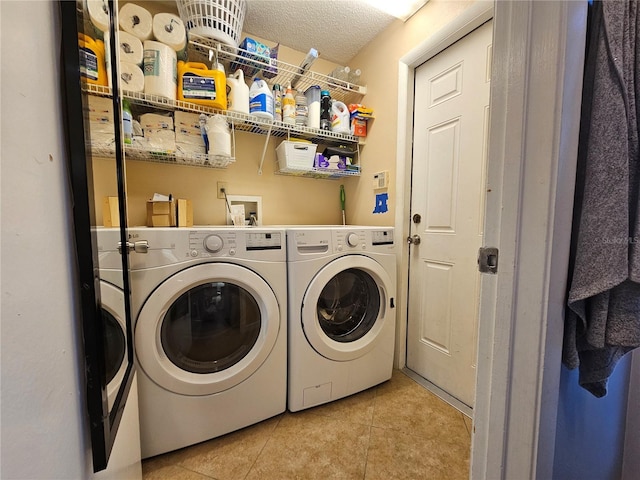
[[131, 77], [159, 69], [136, 20], [99, 14], [169, 29], [131, 49]]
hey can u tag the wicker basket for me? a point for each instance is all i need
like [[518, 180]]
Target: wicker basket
[[220, 20]]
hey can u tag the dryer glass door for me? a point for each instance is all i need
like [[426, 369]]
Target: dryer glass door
[[210, 327], [348, 305], [345, 309]]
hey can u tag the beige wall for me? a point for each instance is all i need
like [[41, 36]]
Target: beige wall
[[286, 199]]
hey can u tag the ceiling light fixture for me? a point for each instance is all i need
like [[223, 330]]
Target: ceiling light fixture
[[402, 9]]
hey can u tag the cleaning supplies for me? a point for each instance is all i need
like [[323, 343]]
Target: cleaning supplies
[[277, 103], [313, 106], [325, 110], [302, 110], [198, 84], [237, 93], [261, 99], [127, 119], [92, 64], [289, 107], [340, 118]]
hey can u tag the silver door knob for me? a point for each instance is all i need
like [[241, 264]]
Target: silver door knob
[[415, 240], [141, 246]]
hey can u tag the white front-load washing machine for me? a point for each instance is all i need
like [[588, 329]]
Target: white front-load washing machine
[[113, 309], [210, 332], [342, 288]]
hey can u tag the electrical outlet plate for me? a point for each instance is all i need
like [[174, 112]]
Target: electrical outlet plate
[[222, 186], [381, 180]]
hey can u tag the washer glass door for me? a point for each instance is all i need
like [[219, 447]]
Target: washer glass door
[[207, 328], [344, 309], [210, 327]]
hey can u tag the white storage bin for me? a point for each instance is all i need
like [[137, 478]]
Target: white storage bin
[[296, 155]]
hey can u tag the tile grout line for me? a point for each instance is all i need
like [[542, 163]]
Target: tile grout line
[[373, 414], [265, 444]]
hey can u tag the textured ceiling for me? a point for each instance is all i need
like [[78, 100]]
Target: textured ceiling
[[337, 29]]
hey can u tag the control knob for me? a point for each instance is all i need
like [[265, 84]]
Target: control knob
[[352, 239], [213, 243]]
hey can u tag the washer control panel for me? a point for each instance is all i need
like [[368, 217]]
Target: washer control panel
[[227, 243]]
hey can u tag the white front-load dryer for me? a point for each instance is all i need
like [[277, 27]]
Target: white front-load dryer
[[342, 288], [210, 331]]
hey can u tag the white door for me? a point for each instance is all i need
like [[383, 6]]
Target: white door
[[451, 118]]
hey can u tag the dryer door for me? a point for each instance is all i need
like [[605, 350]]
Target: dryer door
[[345, 307], [207, 328]]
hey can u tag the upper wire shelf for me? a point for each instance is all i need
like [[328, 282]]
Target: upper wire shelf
[[241, 121], [343, 91]]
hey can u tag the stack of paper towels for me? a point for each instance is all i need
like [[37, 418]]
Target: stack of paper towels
[[159, 136], [155, 43], [101, 121], [189, 141]]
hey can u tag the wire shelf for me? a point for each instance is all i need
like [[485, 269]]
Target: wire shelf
[[321, 173], [241, 121], [141, 154], [343, 91]]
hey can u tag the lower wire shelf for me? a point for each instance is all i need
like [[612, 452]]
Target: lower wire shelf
[[182, 158]]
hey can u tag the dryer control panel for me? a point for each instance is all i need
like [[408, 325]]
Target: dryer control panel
[[358, 239]]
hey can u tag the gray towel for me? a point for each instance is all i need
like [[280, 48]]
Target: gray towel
[[603, 319]]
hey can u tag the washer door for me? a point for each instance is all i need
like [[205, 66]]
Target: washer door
[[207, 328], [345, 307], [115, 340]]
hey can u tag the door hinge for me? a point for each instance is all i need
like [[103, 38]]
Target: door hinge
[[488, 260]]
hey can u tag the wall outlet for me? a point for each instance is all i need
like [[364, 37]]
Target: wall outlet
[[222, 188], [381, 180]]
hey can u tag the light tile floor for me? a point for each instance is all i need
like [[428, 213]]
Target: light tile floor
[[397, 430]]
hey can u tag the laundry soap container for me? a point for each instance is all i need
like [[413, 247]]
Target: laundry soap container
[[261, 100], [197, 84], [238, 93], [92, 64], [340, 118]]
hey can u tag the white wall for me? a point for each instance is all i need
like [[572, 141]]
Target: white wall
[[42, 424]]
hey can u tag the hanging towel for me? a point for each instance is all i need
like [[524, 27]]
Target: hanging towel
[[603, 319]]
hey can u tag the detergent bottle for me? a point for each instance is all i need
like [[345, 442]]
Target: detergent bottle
[[261, 100], [92, 64], [340, 118], [237, 93], [197, 84]]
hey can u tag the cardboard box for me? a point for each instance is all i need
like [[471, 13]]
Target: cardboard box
[[161, 214], [110, 212], [175, 213], [251, 49], [184, 213], [359, 127]]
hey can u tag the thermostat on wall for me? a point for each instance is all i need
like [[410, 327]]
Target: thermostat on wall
[[381, 180]]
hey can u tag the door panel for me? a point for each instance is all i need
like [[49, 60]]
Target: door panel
[[449, 162]]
